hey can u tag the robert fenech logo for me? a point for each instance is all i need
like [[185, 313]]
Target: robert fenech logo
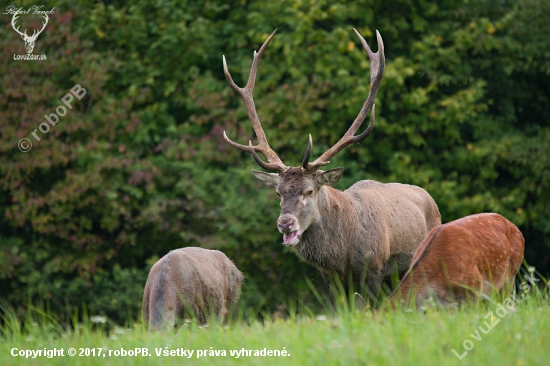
[[29, 40]]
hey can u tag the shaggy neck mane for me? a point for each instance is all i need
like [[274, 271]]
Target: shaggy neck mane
[[328, 236]]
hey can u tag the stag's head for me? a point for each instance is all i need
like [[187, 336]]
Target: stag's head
[[29, 40], [299, 191], [300, 187]]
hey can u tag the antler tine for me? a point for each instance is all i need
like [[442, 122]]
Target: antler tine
[[36, 32], [274, 162], [305, 161], [44, 23], [377, 63], [13, 19], [263, 164]]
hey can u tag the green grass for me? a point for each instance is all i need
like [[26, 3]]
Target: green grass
[[343, 337]]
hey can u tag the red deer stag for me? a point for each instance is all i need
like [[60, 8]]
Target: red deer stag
[[362, 231], [461, 259], [195, 280]]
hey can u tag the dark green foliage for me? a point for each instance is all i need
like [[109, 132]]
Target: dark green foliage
[[139, 166]]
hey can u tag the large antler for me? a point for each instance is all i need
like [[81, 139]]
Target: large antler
[[274, 162], [13, 20], [43, 27], [34, 33], [377, 62]]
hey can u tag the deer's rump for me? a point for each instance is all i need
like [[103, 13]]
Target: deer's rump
[[458, 260], [199, 281]]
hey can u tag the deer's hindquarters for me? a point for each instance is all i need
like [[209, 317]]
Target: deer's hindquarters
[[191, 282], [462, 259]]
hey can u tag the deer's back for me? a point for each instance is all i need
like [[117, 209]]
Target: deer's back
[[484, 240], [401, 212], [205, 270], [480, 252], [195, 275]]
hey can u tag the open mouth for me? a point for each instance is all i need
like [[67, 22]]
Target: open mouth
[[291, 238]]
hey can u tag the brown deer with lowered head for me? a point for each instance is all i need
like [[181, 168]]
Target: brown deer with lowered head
[[190, 282], [362, 231], [462, 259]]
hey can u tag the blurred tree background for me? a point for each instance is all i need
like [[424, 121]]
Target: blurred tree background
[[139, 166]]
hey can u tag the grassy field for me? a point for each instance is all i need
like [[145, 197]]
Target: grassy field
[[494, 332]]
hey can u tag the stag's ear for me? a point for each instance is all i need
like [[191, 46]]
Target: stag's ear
[[269, 179], [330, 177]]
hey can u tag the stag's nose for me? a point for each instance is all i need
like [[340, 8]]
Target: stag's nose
[[285, 224]]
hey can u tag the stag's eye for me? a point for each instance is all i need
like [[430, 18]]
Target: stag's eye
[[310, 192], [278, 194]]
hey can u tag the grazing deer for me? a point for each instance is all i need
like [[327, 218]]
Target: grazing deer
[[29, 40], [190, 280], [363, 231], [459, 260]]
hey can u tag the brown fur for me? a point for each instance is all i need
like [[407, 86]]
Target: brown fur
[[190, 279], [463, 258], [363, 231]]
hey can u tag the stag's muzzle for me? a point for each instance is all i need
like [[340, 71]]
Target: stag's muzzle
[[288, 225]]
